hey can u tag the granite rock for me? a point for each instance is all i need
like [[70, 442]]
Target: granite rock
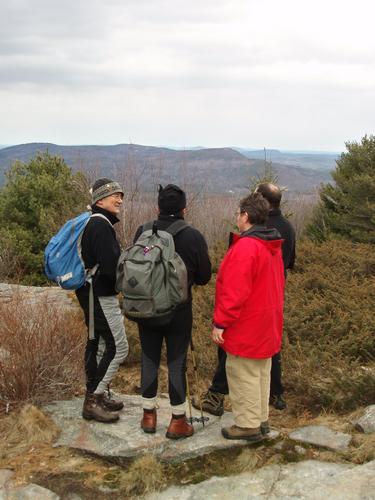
[[321, 435], [28, 492], [366, 422], [310, 480], [125, 439]]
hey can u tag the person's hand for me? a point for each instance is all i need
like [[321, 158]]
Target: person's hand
[[217, 335]]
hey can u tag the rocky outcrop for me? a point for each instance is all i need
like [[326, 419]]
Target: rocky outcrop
[[321, 435], [34, 295], [125, 439], [310, 480], [366, 422], [11, 491]]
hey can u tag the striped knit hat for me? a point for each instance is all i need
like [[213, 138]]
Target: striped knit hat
[[103, 188]]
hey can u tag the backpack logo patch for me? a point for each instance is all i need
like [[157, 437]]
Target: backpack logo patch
[[133, 282]]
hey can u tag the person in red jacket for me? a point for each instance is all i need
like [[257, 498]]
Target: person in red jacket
[[248, 316]]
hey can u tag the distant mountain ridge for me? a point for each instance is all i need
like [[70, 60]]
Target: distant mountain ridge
[[314, 160], [214, 169]]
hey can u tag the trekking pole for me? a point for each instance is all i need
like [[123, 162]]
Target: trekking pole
[[188, 397], [196, 378]]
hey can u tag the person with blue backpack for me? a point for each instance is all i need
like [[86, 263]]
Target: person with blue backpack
[[107, 345]]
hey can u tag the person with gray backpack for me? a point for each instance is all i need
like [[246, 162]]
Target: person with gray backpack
[[155, 276]]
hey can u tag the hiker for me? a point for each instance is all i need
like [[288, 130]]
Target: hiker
[[213, 400], [109, 347], [248, 316], [191, 246], [276, 220]]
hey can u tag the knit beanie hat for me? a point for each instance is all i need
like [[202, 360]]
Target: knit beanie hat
[[171, 199], [104, 187]]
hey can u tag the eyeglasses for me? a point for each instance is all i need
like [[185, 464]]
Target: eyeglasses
[[117, 196], [239, 212]]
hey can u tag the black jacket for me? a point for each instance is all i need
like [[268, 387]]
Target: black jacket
[[278, 221], [100, 246], [191, 247]]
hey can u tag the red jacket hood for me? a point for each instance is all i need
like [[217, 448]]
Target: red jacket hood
[[271, 245]]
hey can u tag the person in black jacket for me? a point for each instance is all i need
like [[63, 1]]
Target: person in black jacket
[[213, 400], [192, 248], [107, 347]]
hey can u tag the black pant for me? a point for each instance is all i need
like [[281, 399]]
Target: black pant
[[220, 382], [177, 335]]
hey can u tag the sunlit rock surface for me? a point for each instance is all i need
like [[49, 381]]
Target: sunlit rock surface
[[125, 439]]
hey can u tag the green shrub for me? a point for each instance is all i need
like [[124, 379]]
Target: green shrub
[[38, 198], [329, 325], [347, 207]]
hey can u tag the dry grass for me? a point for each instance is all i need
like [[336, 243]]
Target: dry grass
[[42, 353], [24, 428], [145, 475], [364, 448]]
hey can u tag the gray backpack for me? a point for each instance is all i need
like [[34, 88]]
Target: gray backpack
[[151, 276]]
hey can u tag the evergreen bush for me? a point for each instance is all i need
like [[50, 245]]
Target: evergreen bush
[[38, 198], [347, 207]]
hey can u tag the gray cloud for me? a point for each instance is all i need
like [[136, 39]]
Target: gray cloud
[[213, 60]]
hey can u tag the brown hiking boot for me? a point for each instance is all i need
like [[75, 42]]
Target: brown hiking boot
[[212, 402], [246, 433], [94, 409], [179, 428], [111, 404], [148, 422]]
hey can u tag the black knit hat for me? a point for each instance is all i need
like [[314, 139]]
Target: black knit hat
[[171, 199], [104, 187]]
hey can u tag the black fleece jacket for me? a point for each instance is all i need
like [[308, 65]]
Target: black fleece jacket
[[100, 246], [191, 247], [278, 221]]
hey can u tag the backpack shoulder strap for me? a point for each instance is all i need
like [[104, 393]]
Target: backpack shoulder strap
[[147, 226], [101, 216], [176, 227]]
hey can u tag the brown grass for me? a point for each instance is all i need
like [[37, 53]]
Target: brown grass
[[24, 428], [144, 475], [42, 353]]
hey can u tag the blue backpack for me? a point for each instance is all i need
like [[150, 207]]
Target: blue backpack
[[63, 255]]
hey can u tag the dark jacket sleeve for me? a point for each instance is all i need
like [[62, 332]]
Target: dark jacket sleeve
[[104, 247], [202, 274], [289, 251]]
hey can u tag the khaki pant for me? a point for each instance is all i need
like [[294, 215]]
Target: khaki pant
[[249, 389]]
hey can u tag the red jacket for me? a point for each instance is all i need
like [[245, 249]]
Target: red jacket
[[250, 296]]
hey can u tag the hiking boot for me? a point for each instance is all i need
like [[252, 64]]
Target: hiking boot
[[212, 402], [265, 428], [246, 433], [94, 409], [112, 404], [148, 422], [179, 428], [278, 402]]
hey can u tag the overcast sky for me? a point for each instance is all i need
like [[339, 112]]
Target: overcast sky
[[285, 74]]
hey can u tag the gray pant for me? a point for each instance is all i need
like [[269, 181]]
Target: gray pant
[[109, 347]]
